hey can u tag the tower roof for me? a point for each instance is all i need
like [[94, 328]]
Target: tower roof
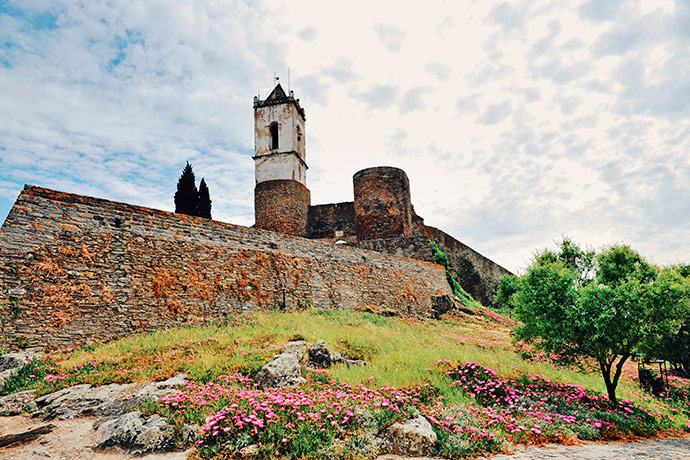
[[278, 96]]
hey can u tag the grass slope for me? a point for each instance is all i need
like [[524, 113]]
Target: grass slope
[[462, 372]]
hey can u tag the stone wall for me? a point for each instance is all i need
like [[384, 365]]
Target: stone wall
[[84, 269], [327, 219], [477, 274], [282, 206]]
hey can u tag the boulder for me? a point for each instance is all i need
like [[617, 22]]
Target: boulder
[[108, 400], [13, 361], [156, 390], [83, 400], [138, 434], [337, 358], [283, 371], [297, 348], [319, 356], [410, 438], [16, 403], [441, 304], [250, 451]]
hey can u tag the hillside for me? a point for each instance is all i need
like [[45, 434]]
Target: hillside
[[480, 392]]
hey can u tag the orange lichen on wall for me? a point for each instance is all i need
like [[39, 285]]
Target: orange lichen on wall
[[130, 269]]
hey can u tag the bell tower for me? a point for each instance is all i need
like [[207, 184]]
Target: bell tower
[[279, 138], [281, 197]]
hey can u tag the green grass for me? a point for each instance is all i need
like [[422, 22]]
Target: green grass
[[402, 350]]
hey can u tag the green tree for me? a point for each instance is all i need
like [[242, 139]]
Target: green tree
[[674, 348], [203, 207], [187, 196], [603, 310], [508, 286]]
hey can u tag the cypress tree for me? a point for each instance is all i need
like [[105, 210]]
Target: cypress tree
[[187, 196], [203, 208]]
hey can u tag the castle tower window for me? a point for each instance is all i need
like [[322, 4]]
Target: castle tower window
[[299, 134], [274, 136]]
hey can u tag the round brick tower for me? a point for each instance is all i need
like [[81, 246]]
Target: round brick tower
[[382, 203], [281, 198], [282, 206]]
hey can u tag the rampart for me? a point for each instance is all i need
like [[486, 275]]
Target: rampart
[[478, 275], [82, 268], [332, 221]]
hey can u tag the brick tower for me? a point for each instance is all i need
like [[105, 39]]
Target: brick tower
[[281, 198]]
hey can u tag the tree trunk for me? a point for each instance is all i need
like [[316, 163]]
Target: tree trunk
[[612, 384], [605, 367]]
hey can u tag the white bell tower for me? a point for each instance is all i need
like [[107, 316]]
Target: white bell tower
[[279, 138]]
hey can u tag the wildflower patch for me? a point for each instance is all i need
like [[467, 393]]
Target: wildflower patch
[[534, 409]]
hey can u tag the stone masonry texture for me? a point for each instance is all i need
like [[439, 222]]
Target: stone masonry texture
[[326, 219], [382, 203], [82, 269], [282, 206], [477, 275]]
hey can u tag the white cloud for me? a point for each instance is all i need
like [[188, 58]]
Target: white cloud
[[517, 122]]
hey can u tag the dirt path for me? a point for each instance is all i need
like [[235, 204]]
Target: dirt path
[[73, 440], [652, 449]]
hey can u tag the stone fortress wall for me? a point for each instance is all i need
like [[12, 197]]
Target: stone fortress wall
[[74, 269], [82, 269], [381, 218]]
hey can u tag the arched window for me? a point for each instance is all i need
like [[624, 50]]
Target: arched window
[[299, 134], [274, 136]]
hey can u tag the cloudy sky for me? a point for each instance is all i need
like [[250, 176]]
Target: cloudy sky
[[516, 121]]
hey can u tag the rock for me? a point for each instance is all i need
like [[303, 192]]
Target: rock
[[249, 451], [13, 361], [113, 399], [412, 437], [138, 434], [17, 403], [377, 310], [157, 390], [355, 362], [82, 400], [297, 348], [441, 304], [319, 356], [16, 292], [283, 371], [337, 358], [9, 439], [4, 375]]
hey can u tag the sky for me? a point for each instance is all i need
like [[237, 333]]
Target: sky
[[517, 122]]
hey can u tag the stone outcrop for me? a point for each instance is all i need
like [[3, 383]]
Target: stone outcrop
[[106, 400], [414, 437], [138, 434], [283, 371], [319, 356], [11, 362]]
